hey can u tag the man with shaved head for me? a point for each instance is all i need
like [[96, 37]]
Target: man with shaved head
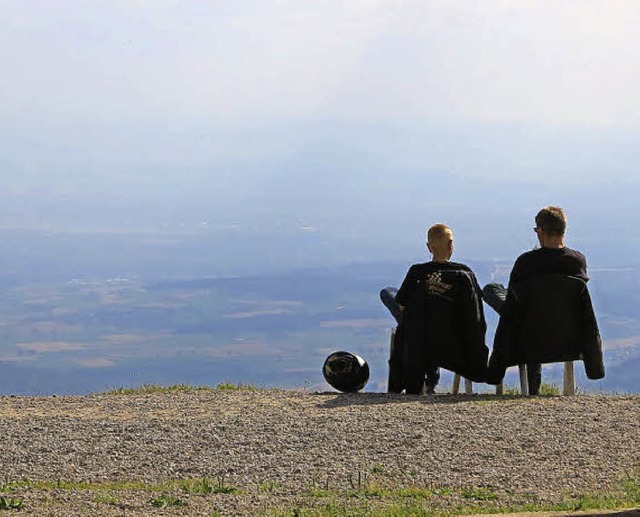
[[439, 311]]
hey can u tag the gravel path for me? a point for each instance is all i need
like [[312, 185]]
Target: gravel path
[[276, 445]]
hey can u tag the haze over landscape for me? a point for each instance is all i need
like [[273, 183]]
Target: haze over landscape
[[202, 192]]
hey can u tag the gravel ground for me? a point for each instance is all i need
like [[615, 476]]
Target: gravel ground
[[274, 446]]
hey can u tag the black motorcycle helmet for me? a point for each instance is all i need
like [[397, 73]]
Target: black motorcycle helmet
[[346, 372]]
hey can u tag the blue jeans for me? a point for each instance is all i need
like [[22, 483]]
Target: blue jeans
[[388, 297], [494, 296]]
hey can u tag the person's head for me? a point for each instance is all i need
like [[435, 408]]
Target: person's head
[[440, 242], [551, 223]]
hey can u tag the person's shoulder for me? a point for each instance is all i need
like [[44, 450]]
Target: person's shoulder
[[579, 261], [454, 268], [418, 269], [433, 266], [443, 266], [528, 258], [460, 266], [574, 253], [527, 255], [523, 265]]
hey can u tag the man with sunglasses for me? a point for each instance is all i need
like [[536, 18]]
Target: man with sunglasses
[[551, 257]]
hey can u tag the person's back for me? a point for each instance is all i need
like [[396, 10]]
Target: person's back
[[442, 320], [552, 258], [547, 261]]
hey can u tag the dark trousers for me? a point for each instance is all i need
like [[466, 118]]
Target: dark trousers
[[495, 295], [388, 297]]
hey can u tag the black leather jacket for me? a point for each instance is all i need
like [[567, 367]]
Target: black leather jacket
[[443, 323], [547, 319]]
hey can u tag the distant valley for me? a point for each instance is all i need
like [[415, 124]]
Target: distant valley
[[271, 329]]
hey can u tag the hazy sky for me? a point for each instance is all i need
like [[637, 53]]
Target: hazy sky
[[124, 93]]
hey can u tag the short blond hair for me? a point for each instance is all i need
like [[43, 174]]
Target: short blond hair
[[439, 233]]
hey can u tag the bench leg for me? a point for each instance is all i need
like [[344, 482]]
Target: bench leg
[[500, 389], [468, 387], [455, 388], [524, 381], [569, 387]]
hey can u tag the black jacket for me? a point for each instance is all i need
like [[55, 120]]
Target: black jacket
[[547, 319], [443, 322]]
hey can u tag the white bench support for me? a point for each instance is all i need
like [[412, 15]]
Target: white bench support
[[568, 388], [569, 384], [468, 386], [455, 388], [524, 380]]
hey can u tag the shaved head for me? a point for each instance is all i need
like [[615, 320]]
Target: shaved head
[[439, 233], [440, 241]]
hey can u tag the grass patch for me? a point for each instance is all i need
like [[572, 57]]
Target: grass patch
[[359, 486], [191, 486], [268, 487], [546, 390], [165, 501], [365, 498], [613, 500], [631, 488], [329, 509], [10, 503], [228, 386], [510, 391], [413, 493], [147, 389], [207, 486], [362, 509], [108, 499], [106, 486], [549, 390], [370, 491], [359, 494], [377, 468], [403, 505], [479, 494]]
